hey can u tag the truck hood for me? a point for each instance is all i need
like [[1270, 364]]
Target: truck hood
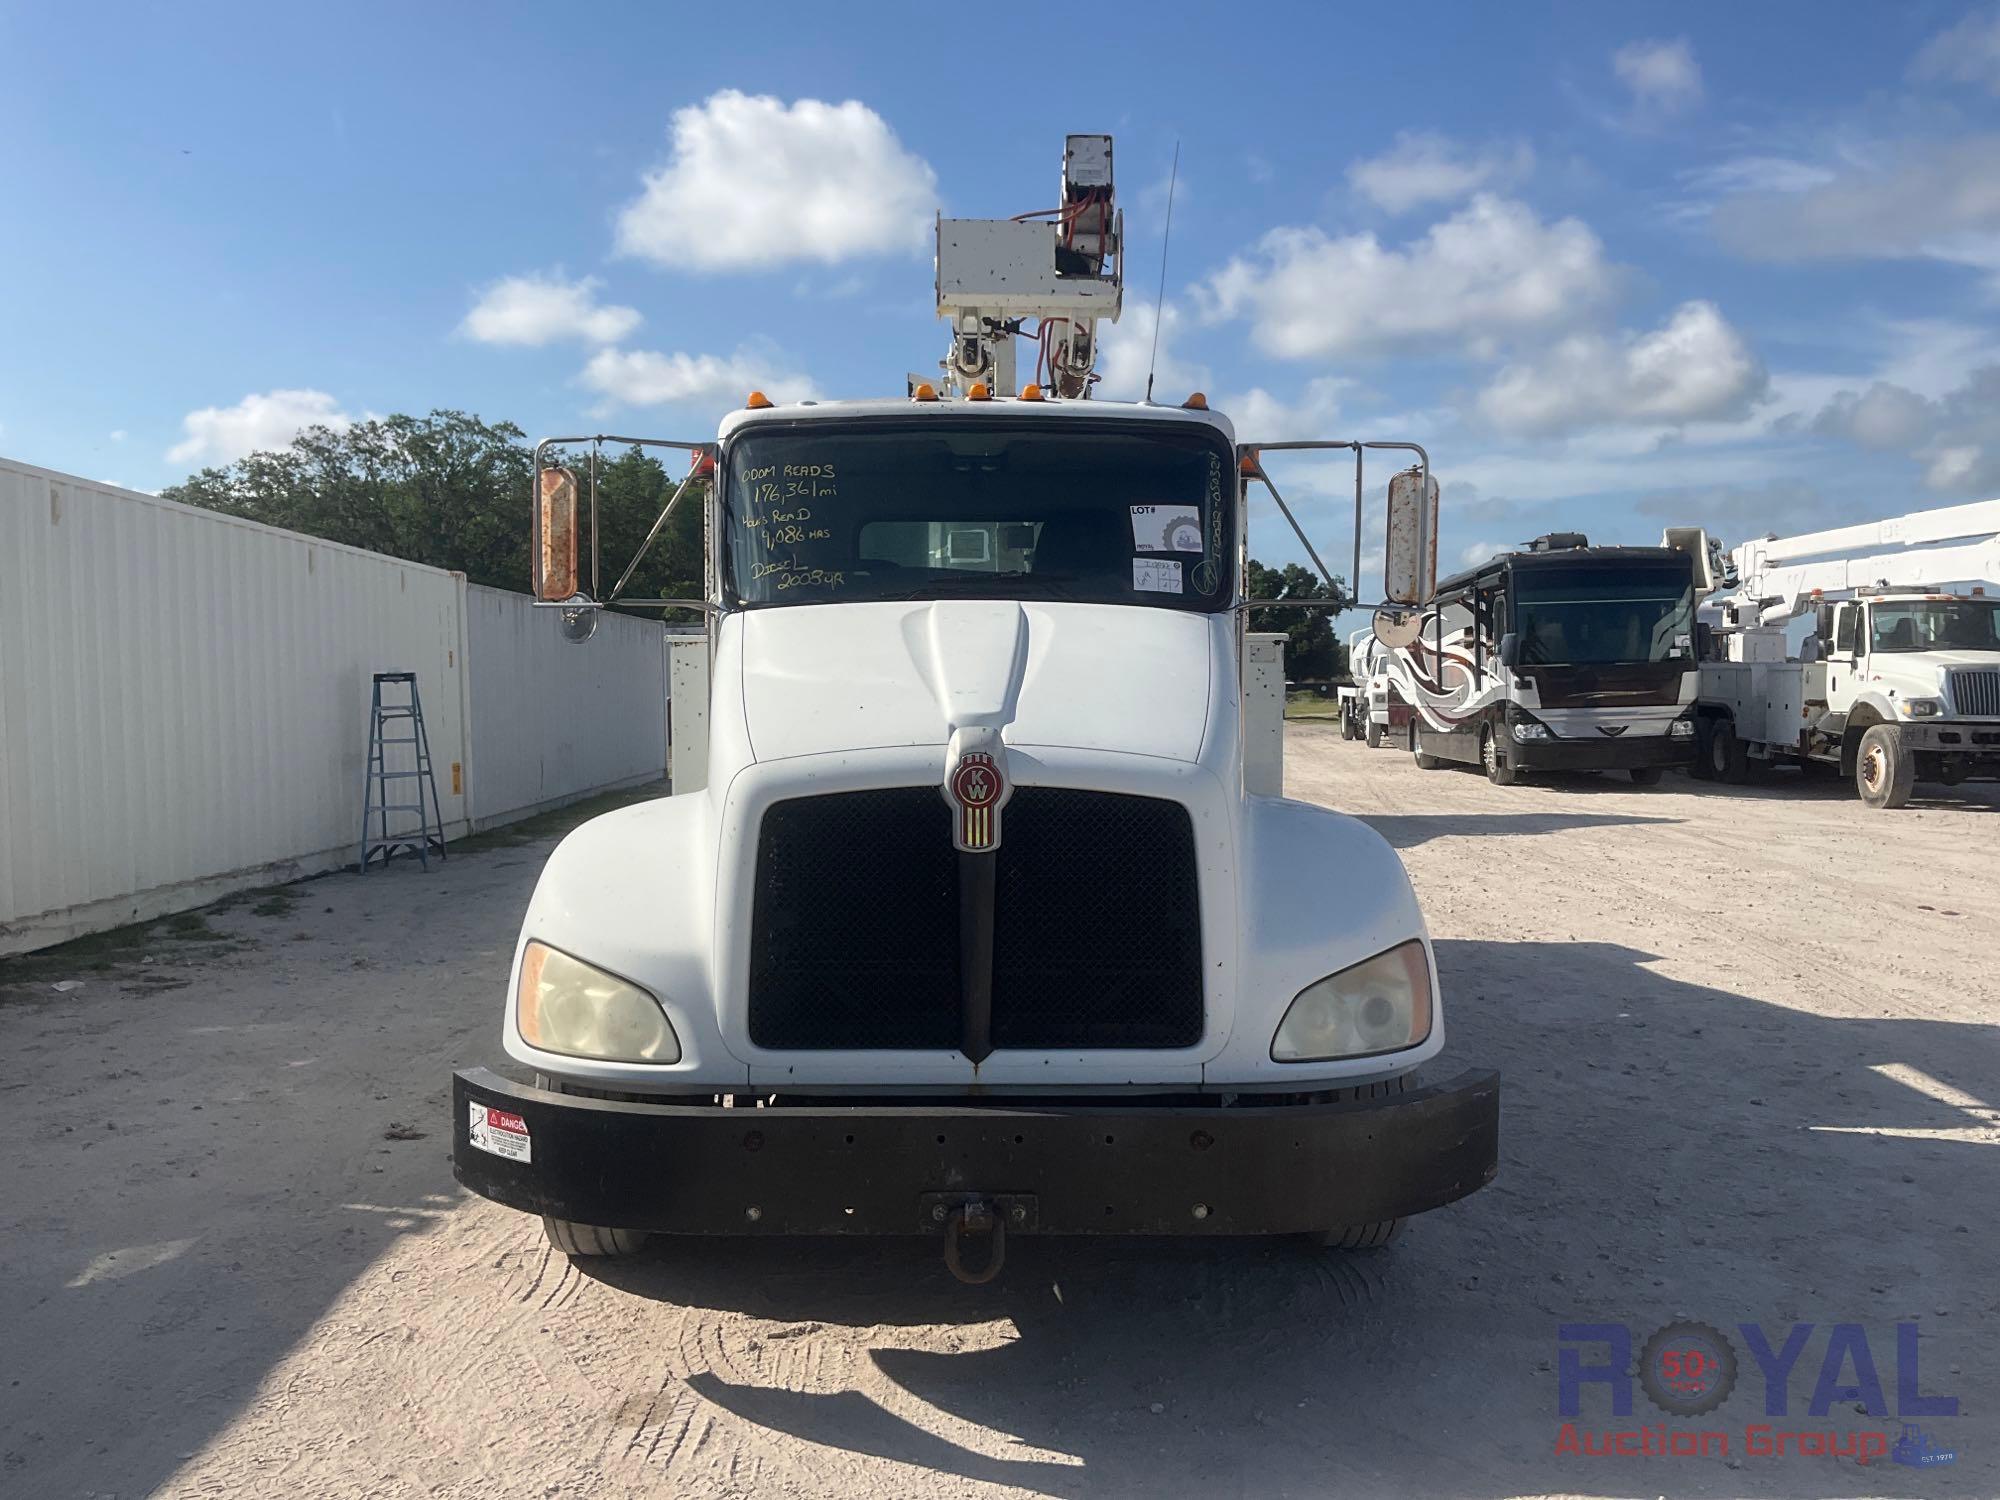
[[824, 678]]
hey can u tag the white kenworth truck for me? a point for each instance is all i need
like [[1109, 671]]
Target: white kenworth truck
[[989, 916], [1897, 678], [1560, 656]]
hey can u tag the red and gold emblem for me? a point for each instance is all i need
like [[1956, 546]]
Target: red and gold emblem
[[976, 787]]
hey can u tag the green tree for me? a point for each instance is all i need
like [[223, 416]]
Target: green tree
[[1313, 652], [451, 490]]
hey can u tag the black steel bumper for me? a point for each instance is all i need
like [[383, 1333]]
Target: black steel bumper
[[895, 1169], [1601, 753]]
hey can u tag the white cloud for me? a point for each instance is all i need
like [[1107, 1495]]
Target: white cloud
[[118, 435], [1424, 167], [643, 377], [1954, 437], [1491, 269], [1125, 351], [1937, 200], [753, 182], [1663, 77], [1883, 416], [1260, 417], [1966, 53], [537, 310], [1694, 367], [223, 434]]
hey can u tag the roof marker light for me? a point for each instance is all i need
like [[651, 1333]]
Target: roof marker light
[[1196, 402], [1031, 392], [923, 391], [978, 392], [758, 401]]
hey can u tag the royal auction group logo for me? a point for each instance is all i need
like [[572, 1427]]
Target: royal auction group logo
[[1689, 1369]]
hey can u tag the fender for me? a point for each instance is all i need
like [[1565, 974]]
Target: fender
[[1321, 892], [633, 892]]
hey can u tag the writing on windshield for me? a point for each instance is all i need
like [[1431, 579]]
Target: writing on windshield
[[1096, 512]]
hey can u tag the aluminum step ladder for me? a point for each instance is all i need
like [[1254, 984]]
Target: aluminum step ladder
[[378, 782]]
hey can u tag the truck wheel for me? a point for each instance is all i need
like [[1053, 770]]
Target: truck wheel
[[1425, 760], [1361, 1236], [1497, 772], [1374, 735], [592, 1239], [1346, 723], [1884, 772], [1725, 752], [1385, 1232], [1646, 775]]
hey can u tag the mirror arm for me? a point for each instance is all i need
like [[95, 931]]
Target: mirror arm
[[659, 523], [1297, 529]]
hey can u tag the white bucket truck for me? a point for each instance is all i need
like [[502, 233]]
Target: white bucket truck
[[987, 915], [1897, 679]]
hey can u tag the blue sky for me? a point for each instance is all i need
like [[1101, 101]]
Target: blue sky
[[1615, 265]]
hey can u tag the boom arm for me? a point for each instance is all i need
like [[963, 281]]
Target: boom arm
[[1930, 549]]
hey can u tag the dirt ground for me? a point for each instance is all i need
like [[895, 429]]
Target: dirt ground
[[1749, 1066]]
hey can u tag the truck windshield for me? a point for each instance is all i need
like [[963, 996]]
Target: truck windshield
[[1093, 512], [1937, 625], [1600, 613]]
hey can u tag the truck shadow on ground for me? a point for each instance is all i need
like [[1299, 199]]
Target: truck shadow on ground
[[1668, 1150], [1407, 830]]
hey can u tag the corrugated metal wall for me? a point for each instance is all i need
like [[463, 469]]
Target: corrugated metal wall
[[552, 720], [184, 701]]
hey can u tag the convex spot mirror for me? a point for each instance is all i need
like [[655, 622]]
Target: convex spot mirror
[[1398, 628], [1409, 563]]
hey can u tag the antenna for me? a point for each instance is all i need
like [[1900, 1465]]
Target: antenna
[[1160, 300]]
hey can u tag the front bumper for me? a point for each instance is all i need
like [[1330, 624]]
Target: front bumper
[[887, 1169], [1601, 752], [1951, 736]]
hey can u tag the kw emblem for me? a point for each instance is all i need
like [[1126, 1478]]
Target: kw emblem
[[976, 786]]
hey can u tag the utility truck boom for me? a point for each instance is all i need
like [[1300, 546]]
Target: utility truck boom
[[986, 916]]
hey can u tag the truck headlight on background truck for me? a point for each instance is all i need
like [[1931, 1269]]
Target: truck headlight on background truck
[[1380, 1005], [565, 1005], [1920, 708], [1681, 729]]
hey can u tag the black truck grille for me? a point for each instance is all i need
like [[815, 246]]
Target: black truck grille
[[854, 938]]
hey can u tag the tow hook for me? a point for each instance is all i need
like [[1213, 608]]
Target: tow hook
[[973, 1220]]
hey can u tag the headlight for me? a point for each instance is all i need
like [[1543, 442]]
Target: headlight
[[565, 1005], [1681, 729], [1382, 1005], [1921, 708], [1525, 732]]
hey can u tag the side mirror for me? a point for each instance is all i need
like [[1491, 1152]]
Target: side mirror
[[555, 536], [1510, 650], [1398, 628], [1409, 560]]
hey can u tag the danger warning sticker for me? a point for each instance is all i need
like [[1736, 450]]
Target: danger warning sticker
[[498, 1131]]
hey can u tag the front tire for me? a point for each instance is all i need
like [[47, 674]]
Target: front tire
[[1374, 735], [1884, 770], [1497, 771], [1425, 760], [1384, 1232], [589, 1240]]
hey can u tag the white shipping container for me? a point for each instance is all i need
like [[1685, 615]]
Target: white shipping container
[[184, 702]]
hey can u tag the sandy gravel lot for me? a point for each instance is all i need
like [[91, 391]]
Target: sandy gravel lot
[[1747, 1040]]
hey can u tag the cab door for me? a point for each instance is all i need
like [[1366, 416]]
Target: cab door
[[1847, 664]]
